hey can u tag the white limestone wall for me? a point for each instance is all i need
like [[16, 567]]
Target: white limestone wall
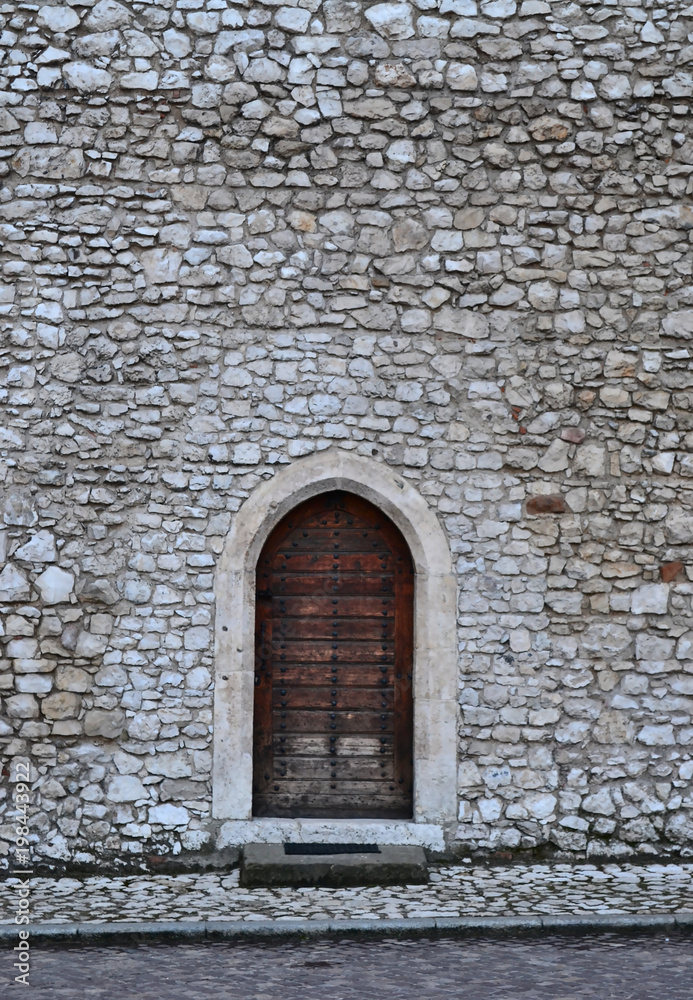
[[453, 238]]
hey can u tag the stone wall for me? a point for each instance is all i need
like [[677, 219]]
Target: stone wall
[[450, 235]]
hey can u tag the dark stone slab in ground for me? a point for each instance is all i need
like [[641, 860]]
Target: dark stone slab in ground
[[656, 967], [271, 865], [111, 865]]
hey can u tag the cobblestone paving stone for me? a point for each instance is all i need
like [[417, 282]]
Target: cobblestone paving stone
[[658, 968], [454, 891]]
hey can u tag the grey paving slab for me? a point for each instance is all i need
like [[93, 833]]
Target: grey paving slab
[[611, 968]]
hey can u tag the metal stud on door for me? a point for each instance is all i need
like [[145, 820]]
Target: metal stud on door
[[334, 642]]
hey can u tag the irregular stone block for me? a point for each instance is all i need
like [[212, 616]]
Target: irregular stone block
[[657, 736], [168, 815], [13, 583], [546, 504], [393, 20], [22, 706], [546, 128], [57, 162], [39, 548], [55, 584], [99, 722], [461, 76], [107, 14], [651, 598], [669, 571], [85, 78], [61, 705]]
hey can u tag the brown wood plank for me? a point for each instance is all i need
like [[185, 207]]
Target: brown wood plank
[[348, 584], [317, 745], [335, 607], [344, 721], [329, 769], [335, 540], [344, 787], [331, 651], [321, 562], [320, 806], [292, 675], [346, 520], [326, 628], [333, 698]]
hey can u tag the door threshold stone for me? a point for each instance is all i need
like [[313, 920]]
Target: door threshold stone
[[270, 865]]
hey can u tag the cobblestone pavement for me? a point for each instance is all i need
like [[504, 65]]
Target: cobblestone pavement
[[454, 891], [553, 969]]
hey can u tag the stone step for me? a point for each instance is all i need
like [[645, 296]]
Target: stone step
[[344, 864]]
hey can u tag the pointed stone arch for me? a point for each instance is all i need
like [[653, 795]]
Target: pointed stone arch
[[435, 644]]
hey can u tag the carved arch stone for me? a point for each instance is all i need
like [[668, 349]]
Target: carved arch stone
[[435, 657]]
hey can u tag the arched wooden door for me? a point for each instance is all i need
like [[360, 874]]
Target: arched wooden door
[[333, 721]]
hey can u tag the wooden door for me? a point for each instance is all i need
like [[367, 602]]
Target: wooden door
[[333, 721]]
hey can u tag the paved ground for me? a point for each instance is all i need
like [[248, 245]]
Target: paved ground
[[454, 891], [657, 968]]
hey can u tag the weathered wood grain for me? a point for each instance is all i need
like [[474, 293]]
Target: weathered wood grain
[[334, 644]]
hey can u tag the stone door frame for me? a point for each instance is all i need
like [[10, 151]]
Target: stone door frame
[[435, 648]]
